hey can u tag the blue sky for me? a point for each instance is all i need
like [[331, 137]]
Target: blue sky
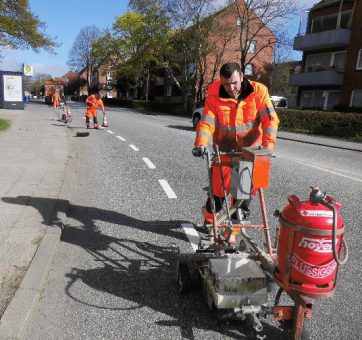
[[64, 20]]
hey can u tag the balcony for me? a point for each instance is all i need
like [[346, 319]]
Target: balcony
[[327, 39], [322, 78]]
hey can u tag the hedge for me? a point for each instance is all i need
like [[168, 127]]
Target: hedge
[[326, 123]]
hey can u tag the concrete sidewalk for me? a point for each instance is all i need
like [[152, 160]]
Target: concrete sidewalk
[[37, 167], [320, 140]]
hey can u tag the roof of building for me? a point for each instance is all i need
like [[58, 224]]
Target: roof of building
[[328, 3]]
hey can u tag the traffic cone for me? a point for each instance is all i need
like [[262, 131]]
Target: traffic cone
[[104, 122]]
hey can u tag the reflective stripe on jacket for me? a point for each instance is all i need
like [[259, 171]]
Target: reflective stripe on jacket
[[248, 121]]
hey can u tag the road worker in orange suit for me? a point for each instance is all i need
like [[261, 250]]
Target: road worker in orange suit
[[238, 113], [92, 103], [56, 100]]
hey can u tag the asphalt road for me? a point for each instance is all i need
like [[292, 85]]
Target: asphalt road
[[113, 276]]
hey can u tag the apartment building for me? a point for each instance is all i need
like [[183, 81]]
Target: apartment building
[[331, 72]]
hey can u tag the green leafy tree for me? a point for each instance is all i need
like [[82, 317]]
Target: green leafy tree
[[182, 50], [21, 29], [135, 45]]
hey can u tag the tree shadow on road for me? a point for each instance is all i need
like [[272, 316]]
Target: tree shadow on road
[[138, 273]]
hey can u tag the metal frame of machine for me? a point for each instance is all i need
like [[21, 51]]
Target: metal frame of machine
[[235, 279]]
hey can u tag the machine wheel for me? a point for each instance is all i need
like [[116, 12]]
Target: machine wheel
[[184, 278], [188, 277]]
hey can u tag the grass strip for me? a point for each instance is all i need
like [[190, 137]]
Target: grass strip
[[4, 124]]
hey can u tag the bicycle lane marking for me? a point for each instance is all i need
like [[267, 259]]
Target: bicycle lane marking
[[164, 184], [149, 163], [133, 147], [192, 235], [166, 187]]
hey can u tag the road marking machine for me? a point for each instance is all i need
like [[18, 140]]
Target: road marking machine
[[236, 278]]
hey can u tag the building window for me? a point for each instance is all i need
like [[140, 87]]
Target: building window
[[248, 71], [326, 61], [359, 60], [238, 21], [356, 98], [168, 90], [331, 22], [331, 99], [312, 99], [252, 46]]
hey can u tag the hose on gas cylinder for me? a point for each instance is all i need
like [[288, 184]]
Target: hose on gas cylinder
[[317, 196], [334, 236]]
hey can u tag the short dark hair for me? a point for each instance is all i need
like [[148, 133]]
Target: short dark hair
[[94, 90], [228, 69]]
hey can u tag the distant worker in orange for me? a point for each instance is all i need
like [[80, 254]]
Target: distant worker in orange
[[55, 100], [92, 103]]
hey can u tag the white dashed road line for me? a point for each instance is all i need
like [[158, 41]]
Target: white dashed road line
[[149, 163], [192, 235], [111, 132], [166, 187], [133, 147], [121, 138], [330, 171]]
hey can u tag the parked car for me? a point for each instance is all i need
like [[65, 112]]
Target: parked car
[[277, 101], [196, 116]]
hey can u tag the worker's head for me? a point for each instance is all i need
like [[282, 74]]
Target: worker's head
[[95, 91], [231, 79]]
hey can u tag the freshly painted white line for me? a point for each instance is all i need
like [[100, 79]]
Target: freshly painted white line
[[121, 138], [332, 172], [111, 132], [166, 187], [192, 235], [321, 165], [133, 147], [101, 127], [149, 163]]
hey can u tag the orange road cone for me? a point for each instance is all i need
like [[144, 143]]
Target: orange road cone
[[104, 122]]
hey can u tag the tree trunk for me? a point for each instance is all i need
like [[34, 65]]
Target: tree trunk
[[147, 84]]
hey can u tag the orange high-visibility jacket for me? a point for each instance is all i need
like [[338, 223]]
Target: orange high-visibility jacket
[[231, 124], [92, 104], [55, 97]]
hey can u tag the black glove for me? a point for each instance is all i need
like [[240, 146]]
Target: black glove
[[199, 151]]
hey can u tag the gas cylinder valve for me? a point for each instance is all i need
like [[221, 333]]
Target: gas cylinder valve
[[317, 196]]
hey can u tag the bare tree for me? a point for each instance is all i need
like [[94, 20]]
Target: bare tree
[[81, 54], [211, 53], [281, 56], [258, 23]]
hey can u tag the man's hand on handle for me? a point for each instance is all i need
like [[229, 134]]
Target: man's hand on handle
[[199, 151]]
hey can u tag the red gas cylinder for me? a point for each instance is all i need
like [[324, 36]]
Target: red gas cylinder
[[305, 255]]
